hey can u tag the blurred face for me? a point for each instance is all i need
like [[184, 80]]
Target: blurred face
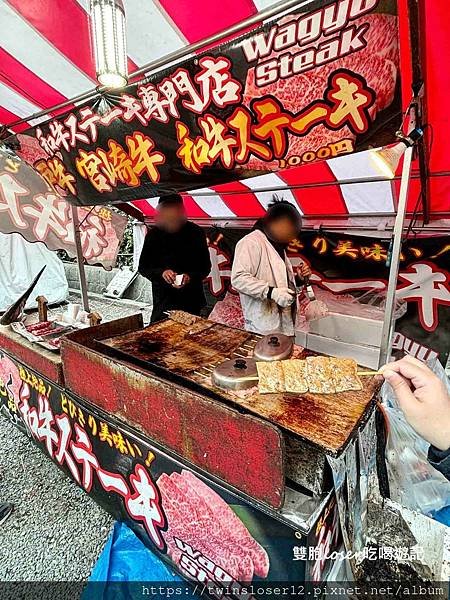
[[283, 230], [171, 218]]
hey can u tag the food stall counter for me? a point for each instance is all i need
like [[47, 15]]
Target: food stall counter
[[253, 443], [44, 361]]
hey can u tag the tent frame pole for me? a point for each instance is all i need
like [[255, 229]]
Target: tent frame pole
[[388, 323], [80, 259]]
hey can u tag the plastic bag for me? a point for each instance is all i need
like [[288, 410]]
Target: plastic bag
[[413, 481], [369, 305], [377, 301]]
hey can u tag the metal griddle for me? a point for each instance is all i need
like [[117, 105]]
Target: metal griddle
[[169, 350], [182, 350]]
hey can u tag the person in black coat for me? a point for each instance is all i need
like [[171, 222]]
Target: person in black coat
[[175, 258], [425, 402]]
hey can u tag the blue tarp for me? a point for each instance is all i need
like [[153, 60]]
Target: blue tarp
[[124, 561], [443, 516]]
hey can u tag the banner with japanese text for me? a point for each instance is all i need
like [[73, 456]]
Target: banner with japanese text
[[207, 533], [29, 206], [311, 85], [348, 267]]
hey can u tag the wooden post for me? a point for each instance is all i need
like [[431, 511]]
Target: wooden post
[[42, 308]]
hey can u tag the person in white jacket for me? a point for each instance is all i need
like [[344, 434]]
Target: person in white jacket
[[263, 275]]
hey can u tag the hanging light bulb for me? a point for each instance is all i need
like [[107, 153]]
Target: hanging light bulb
[[387, 159], [109, 37]]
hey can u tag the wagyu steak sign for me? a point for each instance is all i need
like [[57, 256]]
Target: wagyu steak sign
[[334, 26], [309, 86]]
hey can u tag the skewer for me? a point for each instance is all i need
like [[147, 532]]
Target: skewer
[[200, 374], [362, 373]]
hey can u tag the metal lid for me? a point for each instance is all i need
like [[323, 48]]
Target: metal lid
[[276, 346], [236, 374]]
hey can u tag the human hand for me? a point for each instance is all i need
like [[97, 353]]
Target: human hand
[[169, 276], [423, 398], [283, 296], [304, 270]]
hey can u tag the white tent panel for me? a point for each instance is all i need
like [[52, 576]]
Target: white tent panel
[[20, 261], [364, 197]]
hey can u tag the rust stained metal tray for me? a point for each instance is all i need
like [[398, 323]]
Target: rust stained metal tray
[[167, 348], [178, 348], [328, 421]]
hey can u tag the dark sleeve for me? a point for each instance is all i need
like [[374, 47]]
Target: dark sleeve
[[201, 262], [440, 460], [150, 265]]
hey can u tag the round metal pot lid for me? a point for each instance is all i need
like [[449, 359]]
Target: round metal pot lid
[[236, 374], [276, 346]]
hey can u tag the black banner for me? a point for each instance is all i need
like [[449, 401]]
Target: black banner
[[29, 206], [345, 264], [208, 534], [307, 86]]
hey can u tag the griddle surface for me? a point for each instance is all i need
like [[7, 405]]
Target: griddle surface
[[325, 420], [171, 346]]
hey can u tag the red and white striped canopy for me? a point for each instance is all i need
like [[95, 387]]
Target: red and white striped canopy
[[46, 58], [338, 187]]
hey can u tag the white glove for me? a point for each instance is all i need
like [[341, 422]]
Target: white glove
[[283, 296]]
